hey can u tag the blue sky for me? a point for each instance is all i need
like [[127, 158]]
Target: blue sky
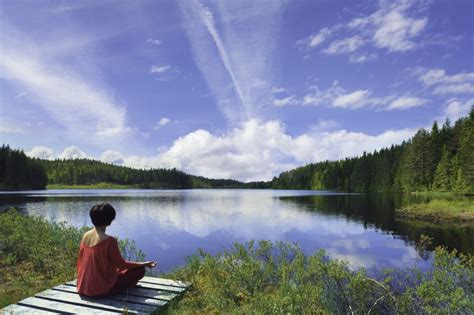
[[229, 89]]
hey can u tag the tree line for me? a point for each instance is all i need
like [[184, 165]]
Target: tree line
[[441, 160], [18, 172]]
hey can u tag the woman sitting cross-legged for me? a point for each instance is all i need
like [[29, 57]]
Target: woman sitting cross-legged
[[101, 270]]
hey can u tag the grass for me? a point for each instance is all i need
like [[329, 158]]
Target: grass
[[91, 186], [261, 277], [440, 211], [277, 278], [36, 254]]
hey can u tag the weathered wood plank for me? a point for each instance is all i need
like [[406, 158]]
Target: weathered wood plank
[[20, 309], [119, 297], [149, 295], [146, 285], [111, 305], [160, 287], [162, 281], [63, 308], [155, 294]]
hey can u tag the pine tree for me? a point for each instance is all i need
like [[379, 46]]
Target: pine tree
[[466, 155], [443, 176], [419, 162]]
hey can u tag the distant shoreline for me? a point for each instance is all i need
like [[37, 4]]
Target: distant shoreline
[[439, 212]]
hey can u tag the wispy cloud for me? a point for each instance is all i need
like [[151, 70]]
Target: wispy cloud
[[406, 102], [395, 26], [233, 57], [455, 108], [80, 104], [441, 83], [344, 46], [155, 42], [290, 100], [353, 100], [161, 123], [159, 69], [8, 128], [395, 29], [277, 90], [338, 97]]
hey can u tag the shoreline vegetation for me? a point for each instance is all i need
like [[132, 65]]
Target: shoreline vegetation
[[254, 277], [439, 211], [92, 186]]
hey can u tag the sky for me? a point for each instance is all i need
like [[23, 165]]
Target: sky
[[229, 89]]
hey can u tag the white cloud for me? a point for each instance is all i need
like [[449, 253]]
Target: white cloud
[[71, 153], [319, 38], [258, 150], [463, 88], [159, 69], [290, 100], [344, 46], [395, 26], [276, 90], [353, 100], [406, 102], [152, 41], [111, 156], [325, 125], [395, 30], [336, 96], [83, 106], [455, 109], [361, 58], [432, 77], [41, 152], [323, 97], [162, 122], [9, 128], [234, 58], [255, 150], [442, 83]]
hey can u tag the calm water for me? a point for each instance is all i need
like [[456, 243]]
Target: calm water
[[169, 225]]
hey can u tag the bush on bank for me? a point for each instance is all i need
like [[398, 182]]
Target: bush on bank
[[278, 278]]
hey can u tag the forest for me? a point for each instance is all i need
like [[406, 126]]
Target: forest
[[90, 172], [18, 172], [440, 160]]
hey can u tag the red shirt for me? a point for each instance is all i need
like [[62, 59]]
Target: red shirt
[[98, 266]]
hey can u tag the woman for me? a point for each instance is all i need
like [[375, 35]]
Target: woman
[[101, 270]]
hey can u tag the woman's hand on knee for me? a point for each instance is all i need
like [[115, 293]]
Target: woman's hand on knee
[[150, 264]]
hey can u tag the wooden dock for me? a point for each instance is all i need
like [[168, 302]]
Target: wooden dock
[[149, 295]]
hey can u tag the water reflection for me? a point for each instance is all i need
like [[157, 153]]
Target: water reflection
[[170, 225], [377, 211]]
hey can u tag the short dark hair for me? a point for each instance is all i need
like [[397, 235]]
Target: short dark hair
[[102, 214]]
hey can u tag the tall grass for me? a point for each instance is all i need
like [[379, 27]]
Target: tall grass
[[36, 254], [277, 278], [440, 210]]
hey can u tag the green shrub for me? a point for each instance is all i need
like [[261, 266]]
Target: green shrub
[[277, 278]]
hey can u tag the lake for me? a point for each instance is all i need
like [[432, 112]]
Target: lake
[[169, 225]]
